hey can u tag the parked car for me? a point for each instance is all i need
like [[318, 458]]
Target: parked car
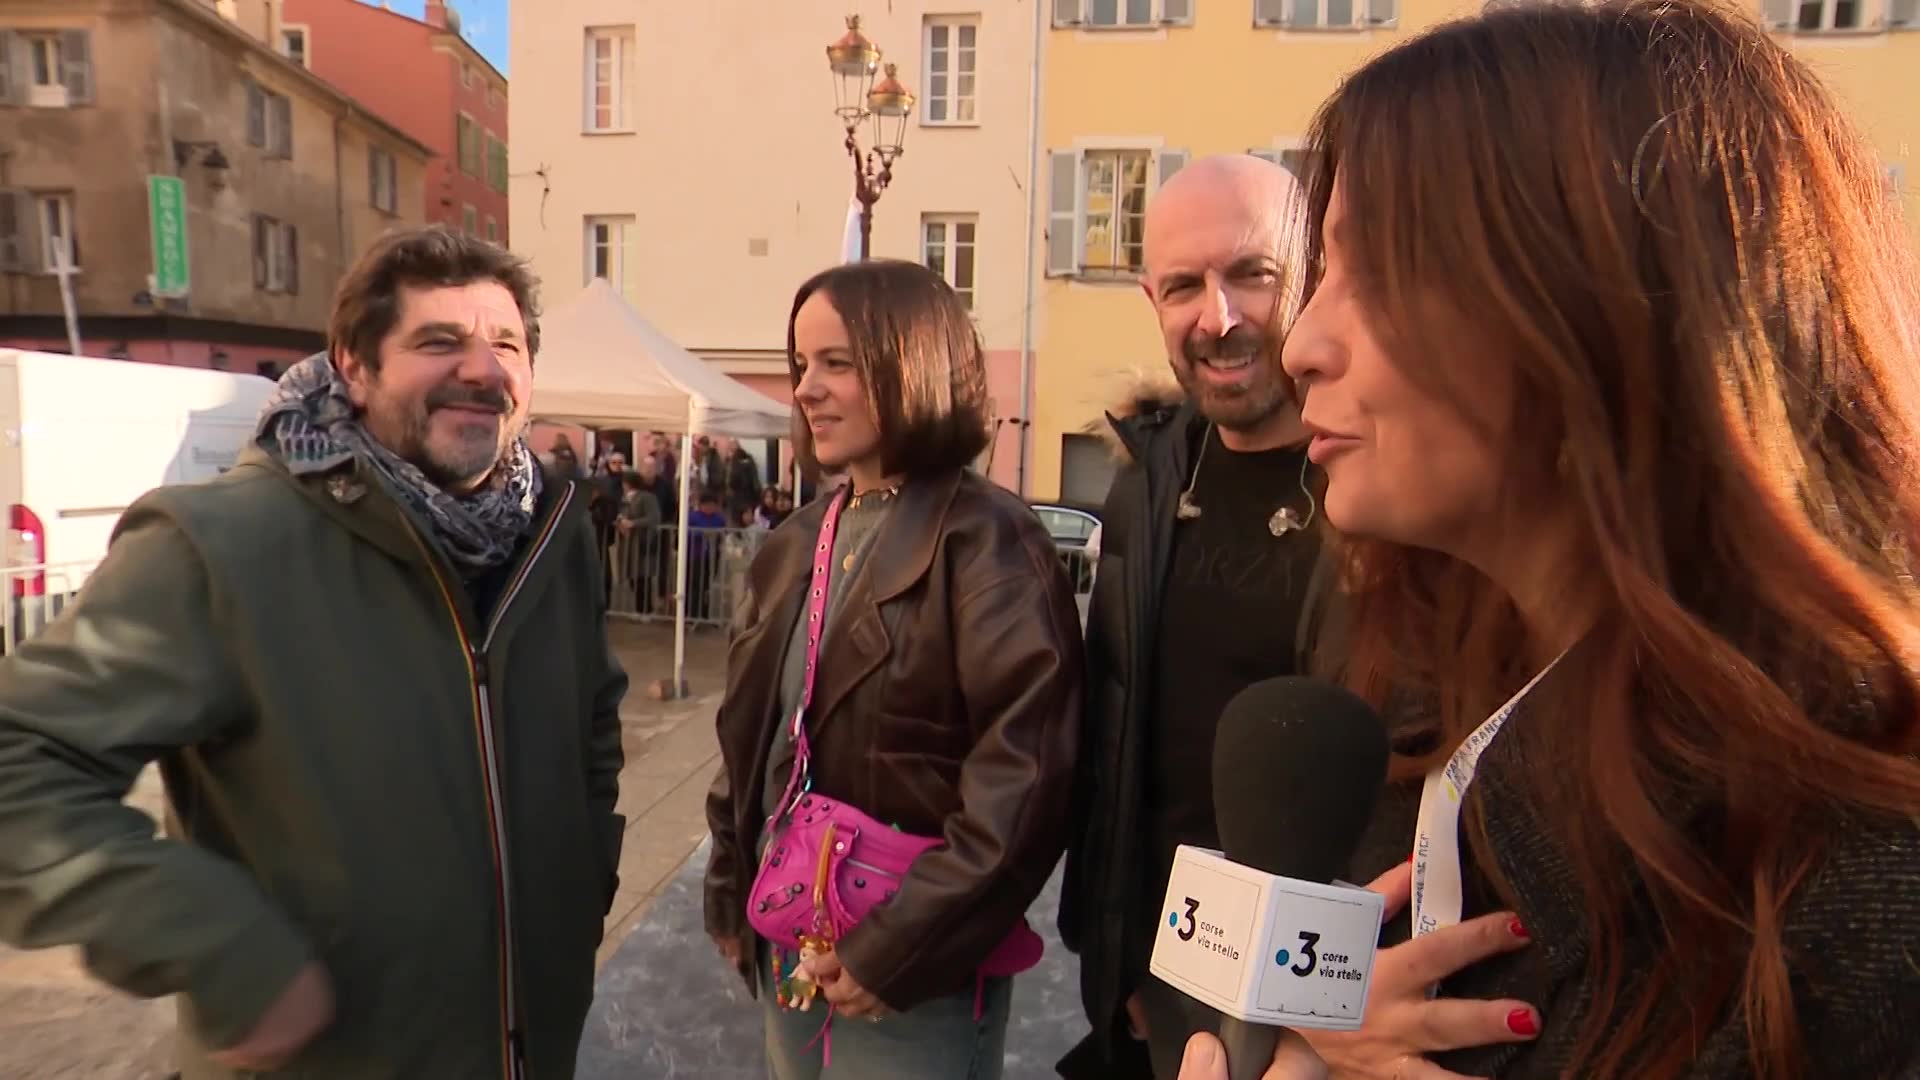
[[1076, 532]]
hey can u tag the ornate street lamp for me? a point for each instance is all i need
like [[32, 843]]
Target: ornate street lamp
[[854, 60]]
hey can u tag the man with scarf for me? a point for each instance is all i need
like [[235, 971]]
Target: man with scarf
[[371, 661]]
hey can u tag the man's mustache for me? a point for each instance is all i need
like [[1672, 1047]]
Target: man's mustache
[[469, 397], [1242, 340]]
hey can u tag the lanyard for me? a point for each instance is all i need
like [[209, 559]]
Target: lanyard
[[1436, 840]]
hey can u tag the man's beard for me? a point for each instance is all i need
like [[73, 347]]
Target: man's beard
[[1235, 408], [469, 459]]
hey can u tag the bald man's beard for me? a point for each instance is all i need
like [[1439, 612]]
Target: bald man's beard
[[1249, 405]]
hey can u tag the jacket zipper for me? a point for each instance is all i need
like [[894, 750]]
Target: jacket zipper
[[475, 657]]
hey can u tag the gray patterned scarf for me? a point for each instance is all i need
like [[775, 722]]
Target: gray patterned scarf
[[311, 426]]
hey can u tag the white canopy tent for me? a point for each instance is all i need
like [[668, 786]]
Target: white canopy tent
[[602, 365]]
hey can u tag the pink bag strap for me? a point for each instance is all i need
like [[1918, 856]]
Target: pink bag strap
[[801, 778]]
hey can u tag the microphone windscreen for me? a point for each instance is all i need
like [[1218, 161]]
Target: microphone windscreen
[[1297, 767]]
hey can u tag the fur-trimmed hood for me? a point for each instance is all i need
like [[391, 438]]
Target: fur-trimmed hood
[[1148, 402]]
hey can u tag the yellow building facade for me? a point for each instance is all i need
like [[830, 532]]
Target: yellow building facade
[[1133, 89]]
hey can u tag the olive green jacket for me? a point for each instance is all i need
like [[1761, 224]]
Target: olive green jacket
[[360, 769]]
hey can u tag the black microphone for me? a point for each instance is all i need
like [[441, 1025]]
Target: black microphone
[[1297, 767]]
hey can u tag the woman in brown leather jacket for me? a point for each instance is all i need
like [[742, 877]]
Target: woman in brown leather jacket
[[946, 702]]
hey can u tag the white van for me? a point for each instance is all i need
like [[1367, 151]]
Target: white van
[[81, 439]]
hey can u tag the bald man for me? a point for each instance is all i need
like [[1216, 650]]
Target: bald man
[[1208, 576]]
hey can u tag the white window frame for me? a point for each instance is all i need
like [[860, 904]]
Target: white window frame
[[1161, 161], [1288, 153], [474, 146], [610, 71], [280, 276], [1870, 16], [1829, 12], [1161, 13], [53, 216], [300, 30], [950, 97], [384, 174], [950, 245], [1280, 15], [611, 234], [44, 45]]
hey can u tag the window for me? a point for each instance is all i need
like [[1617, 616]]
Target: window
[[1121, 14], [46, 69], [293, 44], [1324, 14], [466, 76], [496, 163], [276, 255], [470, 149], [1097, 208], [609, 53], [951, 63], [493, 230], [947, 248], [1829, 15], [470, 221], [607, 239], [269, 121], [383, 180], [1292, 159], [58, 240], [1816, 16], [495, 98]]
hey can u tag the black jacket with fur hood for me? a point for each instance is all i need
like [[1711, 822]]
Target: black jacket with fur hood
[[1157, 434]]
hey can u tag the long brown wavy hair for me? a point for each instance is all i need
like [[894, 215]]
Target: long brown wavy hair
[[1690, 259]]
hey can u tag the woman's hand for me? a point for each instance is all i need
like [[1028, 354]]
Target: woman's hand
[[1293, 1059], [843, 993], [733, 950], [1402, 1025]]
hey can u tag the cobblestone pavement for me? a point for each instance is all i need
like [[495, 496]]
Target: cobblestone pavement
[[57, 1024]]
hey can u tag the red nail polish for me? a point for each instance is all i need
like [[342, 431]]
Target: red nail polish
[[1521, 1022], [1518, 929], [1409, 856]]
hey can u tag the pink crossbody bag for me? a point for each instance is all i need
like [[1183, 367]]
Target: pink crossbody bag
[[829, 864]]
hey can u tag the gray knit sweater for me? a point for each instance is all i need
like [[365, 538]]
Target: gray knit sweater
[[1852, 936]]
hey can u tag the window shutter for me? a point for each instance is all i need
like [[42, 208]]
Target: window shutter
[[373, 179], [293, 259], [76, 63], [1903, 13], [1068, 13], [1176, 12], [256, 115], [1063, 206], [283, 125], [259, 252], [13, 219], [1171, 161], [1778, 14], [393, 184]]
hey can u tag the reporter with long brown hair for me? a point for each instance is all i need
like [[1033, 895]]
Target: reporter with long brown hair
[[1609, 347]]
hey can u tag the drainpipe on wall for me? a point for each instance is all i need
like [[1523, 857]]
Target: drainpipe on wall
[[340, 194], [1025, 433]]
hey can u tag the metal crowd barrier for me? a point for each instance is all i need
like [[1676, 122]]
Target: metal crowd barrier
[[35, 596], [641, 564]]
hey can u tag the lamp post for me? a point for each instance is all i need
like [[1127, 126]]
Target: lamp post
[[887, 104]]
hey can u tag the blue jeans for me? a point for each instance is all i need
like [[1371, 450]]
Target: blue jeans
[[939, 1040]]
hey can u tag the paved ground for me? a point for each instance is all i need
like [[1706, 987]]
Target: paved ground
[[56, 1024]]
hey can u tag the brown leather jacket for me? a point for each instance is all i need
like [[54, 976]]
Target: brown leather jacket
[[947, 701]]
